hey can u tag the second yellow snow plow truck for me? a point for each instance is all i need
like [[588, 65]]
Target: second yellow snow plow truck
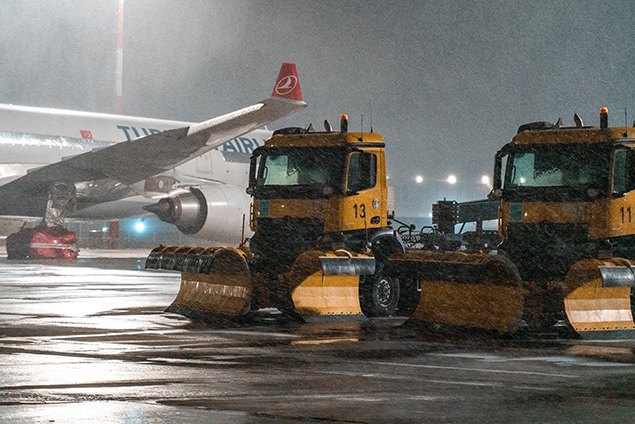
[[567, 223], [321, 235]]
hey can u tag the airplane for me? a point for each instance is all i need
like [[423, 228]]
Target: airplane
[[60, 165]]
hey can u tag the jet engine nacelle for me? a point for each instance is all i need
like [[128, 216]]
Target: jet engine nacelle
[[215, 212]]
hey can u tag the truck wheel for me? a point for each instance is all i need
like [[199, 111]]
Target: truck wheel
[[379, 295]]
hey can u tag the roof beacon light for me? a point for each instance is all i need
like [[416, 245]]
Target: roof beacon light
[[344, 124], [604, 117]]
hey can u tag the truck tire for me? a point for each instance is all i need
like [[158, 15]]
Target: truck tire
[[379, 295]]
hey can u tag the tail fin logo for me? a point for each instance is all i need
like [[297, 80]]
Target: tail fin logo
[[286, 85]]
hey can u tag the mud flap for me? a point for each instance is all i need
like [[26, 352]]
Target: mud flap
[[599, 298], [215, 282], [326, 285], [476, 291]]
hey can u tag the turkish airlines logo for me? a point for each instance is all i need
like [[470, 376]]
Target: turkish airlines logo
[[286, 85]]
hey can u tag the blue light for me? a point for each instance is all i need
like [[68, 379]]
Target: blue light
[[140, 227]]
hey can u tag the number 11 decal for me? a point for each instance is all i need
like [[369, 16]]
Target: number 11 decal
[[628, 210]]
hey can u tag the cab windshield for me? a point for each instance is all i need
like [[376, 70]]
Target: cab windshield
[[557, 173], [307, 172]]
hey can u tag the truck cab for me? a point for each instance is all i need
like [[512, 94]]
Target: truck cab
[[324, 188], [566, 194]]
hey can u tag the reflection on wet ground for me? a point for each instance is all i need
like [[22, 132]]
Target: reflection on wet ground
[[90, 341]]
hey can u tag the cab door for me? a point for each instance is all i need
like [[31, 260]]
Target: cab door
[[361, 205], [621, 219]]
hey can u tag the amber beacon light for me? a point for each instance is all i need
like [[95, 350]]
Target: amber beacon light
[[604, 117], [344, 123]]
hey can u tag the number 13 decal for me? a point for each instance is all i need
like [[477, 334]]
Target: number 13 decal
[[360, 211]]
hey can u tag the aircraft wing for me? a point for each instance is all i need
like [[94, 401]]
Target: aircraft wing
[[132, 161]]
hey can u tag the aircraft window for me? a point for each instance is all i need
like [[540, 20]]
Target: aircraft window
[[204, 163]]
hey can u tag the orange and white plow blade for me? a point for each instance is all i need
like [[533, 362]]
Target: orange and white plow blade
[[601, 305], [225, 291], [332, 295], [328, 284]]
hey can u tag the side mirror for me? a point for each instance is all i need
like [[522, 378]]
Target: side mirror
[[327, 191], [495, 194]]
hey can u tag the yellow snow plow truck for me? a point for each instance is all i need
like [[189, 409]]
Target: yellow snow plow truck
[[323, 245], [567, 224], [321, 235]]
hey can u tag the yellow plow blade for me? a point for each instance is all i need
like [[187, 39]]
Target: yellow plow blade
[[598, 298], [177, 258], [476, 290], [223, 290], [327, 285]]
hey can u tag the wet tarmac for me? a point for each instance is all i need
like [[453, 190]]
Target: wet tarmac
[[88, 341]]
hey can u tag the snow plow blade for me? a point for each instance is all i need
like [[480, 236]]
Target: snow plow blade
[[181, 258], [215, 282], [476, 290], [327, 284], [599, 298]]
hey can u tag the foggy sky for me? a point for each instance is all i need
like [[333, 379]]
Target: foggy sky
[[446, 83]]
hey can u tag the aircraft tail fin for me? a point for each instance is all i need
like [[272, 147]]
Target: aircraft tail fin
[[288, 85]]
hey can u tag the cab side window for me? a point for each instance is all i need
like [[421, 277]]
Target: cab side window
[[362, 171], [624, 171]]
